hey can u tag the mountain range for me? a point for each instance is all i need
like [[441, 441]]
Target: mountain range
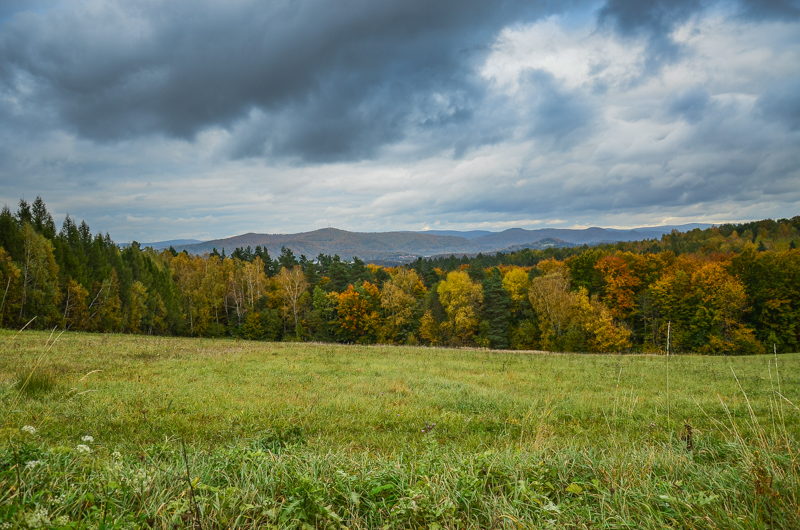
[[406, 246]]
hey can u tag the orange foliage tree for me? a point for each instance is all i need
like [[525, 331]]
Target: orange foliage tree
[[358, 313]]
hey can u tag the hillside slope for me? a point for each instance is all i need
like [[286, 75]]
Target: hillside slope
[[403, 246]]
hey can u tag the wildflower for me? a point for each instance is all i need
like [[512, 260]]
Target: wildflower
[[61, 499], [61, 520], [32, 464], [29, 429], [87, 438], [116, 454], [37, 519], [84, 449]]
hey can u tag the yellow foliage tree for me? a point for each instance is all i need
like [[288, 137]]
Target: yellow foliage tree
[[138, 306], [9, 286], [461, 299], [291, 286], [569, 319], [76, 311], [603, 333], [517, 283], [399, 302], [705, 305], [554, 304]]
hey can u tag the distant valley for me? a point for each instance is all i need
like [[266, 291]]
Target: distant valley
[[403, 247]]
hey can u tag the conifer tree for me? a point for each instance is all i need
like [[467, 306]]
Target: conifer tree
[[495, 311]]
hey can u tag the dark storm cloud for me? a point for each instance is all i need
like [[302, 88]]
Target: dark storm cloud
[[690, 104], [781, 103], [656, 19], [554, 111], [347, 72], [770, 9], [655, 16]]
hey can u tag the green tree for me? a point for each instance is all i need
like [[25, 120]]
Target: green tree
[[495, 312], [40, 292]]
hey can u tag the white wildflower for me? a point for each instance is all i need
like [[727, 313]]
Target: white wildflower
[[32, 464], [139, 481], [87, 439], [61, 520], [61, 499], [116, 455], [84, 449], [37, 519], [30, 429], [5, 526]]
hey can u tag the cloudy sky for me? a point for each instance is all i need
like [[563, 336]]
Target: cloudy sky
[[162, 119]]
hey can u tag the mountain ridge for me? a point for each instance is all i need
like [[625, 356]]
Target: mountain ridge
[[405, 246]]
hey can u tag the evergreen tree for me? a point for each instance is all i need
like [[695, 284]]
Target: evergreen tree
[[24, 215], [10, 238], [495, 313], [286, 259], [359, 273], [269, 265], [339, 274], [42, 220]]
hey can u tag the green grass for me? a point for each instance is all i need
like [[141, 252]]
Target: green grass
[[292, 434]]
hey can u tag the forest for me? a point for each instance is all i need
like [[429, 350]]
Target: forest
[[730, 289]]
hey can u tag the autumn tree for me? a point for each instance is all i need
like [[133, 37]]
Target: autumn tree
[[550, 297], [618, 285], [517, 283], [772, 283], [106, 307], [40, 292], [705, 304], [76, 309], [292, 284], [11, 289], [137, 309], [461, 299], [400, 303], [357, 309], [604, 334]]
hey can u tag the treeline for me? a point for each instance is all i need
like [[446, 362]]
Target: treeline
[[729, 289]]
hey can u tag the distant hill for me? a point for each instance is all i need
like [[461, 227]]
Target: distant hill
[[160, 245], [470, 234], [548, 242], [394, 247]]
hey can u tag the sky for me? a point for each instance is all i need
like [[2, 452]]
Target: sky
[[167, 119]]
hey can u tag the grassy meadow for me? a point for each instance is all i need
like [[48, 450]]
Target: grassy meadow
[[151, 432]]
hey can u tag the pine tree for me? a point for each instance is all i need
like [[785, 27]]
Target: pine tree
[[496, 311], [286, 259]]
